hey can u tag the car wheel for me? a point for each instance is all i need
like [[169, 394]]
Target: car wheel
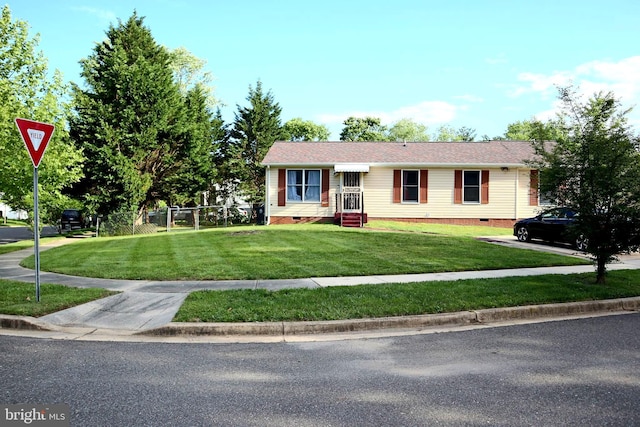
[[523, 234], [582, 243]]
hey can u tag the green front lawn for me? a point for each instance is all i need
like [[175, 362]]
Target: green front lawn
[[19, 298], [402, 299], [284, 252]]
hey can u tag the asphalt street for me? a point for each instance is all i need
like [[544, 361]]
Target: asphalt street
[[15, 234], [567, 373]]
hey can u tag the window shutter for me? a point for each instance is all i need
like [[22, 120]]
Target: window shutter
[[324, 197], [534, 181], [424, 185], [282, 187], [485, 188], [457, 187], [397, 185]]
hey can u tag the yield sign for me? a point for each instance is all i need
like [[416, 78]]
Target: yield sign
[[36, 136]]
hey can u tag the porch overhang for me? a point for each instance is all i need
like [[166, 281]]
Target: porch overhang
[[351, 167]]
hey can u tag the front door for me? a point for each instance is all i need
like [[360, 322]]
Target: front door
[[351, 191]]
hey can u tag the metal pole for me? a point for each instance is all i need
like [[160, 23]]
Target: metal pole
[[36, 231]]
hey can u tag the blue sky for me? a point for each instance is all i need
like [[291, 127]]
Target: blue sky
[[476, 63]]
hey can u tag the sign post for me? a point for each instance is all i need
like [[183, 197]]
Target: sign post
[[36, 136]]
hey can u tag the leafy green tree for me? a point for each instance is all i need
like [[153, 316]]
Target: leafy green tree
[[363, 129], [528, 130], [408, 130], [27, 92], [197, 168], [595, 168], [131, 120], [297, 129], [466, 134], [446, 133], [189, 71], [254, 130]]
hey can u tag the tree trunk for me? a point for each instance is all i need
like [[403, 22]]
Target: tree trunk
[[602, 270]]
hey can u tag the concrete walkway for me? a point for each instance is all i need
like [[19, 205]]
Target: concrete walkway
[[147, 306]]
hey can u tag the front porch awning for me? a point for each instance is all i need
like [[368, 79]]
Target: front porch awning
[[351, 167]]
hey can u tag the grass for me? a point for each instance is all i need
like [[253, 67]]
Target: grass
[[12, 223], [312, 251], [16, 246], [369, 301], [19, 298], [447, 229], [284, 252], [26, 244]]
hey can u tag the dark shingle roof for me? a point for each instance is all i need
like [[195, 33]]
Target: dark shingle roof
[[499, 153]]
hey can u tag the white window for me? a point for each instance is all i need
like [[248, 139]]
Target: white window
[[303, 185], [471, 186], [410, 186]]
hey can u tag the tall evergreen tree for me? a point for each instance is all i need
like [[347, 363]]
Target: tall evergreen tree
[[130, 120], [255, 129], [197, 169]]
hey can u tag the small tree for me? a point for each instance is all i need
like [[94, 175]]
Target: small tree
[[594, 167]]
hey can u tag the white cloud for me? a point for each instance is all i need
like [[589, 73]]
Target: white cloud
[[427, 112], [622, 78], [543, 84]]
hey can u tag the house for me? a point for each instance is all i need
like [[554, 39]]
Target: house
[[466, 183]]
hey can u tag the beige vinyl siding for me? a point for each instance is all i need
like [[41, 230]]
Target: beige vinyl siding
[[508, 196], [301, 209], [378, 188], [525, 210]]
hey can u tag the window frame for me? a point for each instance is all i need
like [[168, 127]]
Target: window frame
[[471, 186], [403, 187], [304, 186]]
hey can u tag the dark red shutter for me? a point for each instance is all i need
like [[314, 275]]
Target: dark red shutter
[[534, 181], [424, 185], [457, 187], [397, 184], [485, 187], [325, 188], [282, 187]]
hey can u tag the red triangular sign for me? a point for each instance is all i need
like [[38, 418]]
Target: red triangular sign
[[36, 136]]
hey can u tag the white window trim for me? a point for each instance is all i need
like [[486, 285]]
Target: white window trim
[[464, 201], [288, 200], [402, 200]]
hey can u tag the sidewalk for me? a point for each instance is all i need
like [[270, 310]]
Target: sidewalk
[[148, 307]]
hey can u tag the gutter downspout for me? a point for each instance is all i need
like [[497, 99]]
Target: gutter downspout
[[515, 208], [267, 205]]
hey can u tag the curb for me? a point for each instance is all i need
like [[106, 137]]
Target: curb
[[462, 318], [26, 323]]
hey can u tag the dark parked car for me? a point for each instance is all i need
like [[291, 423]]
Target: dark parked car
[[553, 225], [71, 219]]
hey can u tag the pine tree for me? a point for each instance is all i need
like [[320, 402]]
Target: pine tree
[[130, 121], [254, 130]]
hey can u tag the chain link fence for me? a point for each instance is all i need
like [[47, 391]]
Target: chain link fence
[[171, 219]]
